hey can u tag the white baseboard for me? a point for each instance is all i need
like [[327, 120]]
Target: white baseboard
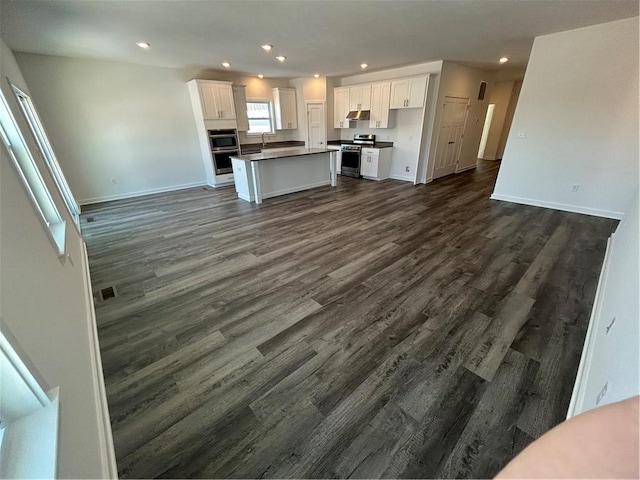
[[404, 179], [295, 189], [248, 198], [140, 193], [107, 451], [558, 206], [576, 405], [464, 169]]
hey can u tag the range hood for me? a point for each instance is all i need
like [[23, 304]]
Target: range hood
[[358, 115]]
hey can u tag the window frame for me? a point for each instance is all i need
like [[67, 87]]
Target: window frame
[[271, 117], [46, 152], [29, 173]]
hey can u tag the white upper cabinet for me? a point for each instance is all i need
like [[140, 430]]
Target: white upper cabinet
[[284, 102], [380, 94], [216, 99], [340, 107], [240, 102], [360, 97], [408, 92]]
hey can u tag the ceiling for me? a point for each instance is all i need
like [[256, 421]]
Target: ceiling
[[328, 37]]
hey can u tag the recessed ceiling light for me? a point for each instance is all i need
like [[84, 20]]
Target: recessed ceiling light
[[260, 76], [226, 64], [267, 47], [281, 58], [143, 45], [316, 75], [504, 60], [364, 65]]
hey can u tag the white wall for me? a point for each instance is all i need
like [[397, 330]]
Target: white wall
[[111, 120], [44, 308], [611, 355], [579, 109]]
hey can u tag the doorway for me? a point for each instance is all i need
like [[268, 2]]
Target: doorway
[[316, 126], [450, 135], [485, 130]]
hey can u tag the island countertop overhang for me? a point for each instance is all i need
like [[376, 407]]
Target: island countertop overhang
[[265, 155]]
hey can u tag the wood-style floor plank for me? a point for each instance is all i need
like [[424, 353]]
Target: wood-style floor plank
[[373, 330]]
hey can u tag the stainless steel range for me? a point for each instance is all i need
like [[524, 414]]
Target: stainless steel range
[[351, 152]]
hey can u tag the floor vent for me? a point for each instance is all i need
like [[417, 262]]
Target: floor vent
[[107, 293], [91, 219]]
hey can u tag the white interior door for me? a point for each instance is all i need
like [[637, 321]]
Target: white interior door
[[450, 135], [316, 131]]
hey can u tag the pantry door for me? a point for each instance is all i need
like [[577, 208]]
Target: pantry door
[[316, 131], [450, 135]]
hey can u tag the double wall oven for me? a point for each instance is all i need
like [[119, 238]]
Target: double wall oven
[[224, 145], [351, 153]]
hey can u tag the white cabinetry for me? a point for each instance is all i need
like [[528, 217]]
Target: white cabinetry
[[375, 163], [380, 94], [240, 102], [408, 92], [360, 97], [284, 102], [216, 100], [340, 107]]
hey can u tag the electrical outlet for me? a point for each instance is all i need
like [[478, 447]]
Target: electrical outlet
[[406, 169], [114, 181], [602, 393], [575, 188], [522, 134]]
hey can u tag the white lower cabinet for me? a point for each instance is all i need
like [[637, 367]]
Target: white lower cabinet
[[375, 163]]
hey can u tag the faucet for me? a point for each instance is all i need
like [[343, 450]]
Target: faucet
[[264, 144]]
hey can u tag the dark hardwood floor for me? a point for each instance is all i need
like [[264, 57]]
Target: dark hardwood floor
[[371, 330]]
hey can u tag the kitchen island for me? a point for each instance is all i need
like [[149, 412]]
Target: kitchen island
[[265, 175]]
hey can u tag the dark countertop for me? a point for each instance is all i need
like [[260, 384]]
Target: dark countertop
[[350, 142], [256, 157], [258, 146]]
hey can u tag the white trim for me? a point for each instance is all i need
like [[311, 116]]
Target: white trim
[[107, 452], [404, 179], [558, 206], [141, 193], [248, 198], [576, 404], [464, 169], [295, 189]]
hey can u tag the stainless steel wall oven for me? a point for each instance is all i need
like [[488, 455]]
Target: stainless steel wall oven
[[224, 144]]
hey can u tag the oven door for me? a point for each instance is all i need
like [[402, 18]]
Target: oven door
[[222, 160], [222, 140], [350, 164]]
